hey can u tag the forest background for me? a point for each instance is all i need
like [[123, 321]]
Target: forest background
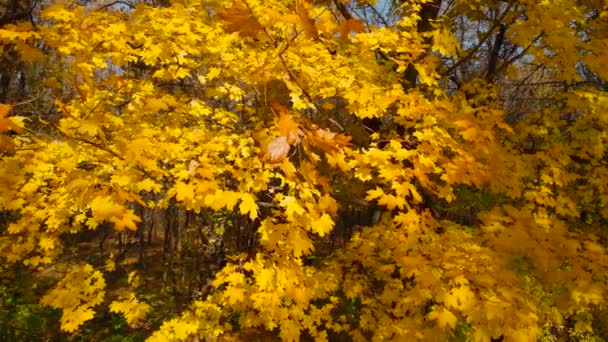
[[303, 170]]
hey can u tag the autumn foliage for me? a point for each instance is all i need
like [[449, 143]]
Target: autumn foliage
[[405, 170]]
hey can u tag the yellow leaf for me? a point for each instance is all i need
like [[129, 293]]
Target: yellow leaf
[[290, 331], [134, 279], [80, 290], [148, 185], [373, 194], [460, 298], [121, 180], [133, 310], [481, 335], [184, 192], [234, 294], [444, 42], [300, 243], [230, 198], [71, 320], [47, 243], [248, 206], [127, 220], [445, 318], [265, 279], [391, 202], [323, 226], [110, 264], [104, 208]]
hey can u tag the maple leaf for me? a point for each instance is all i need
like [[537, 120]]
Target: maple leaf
[[302, 9], [81, 289], [445, 318], [234, 294], [133, 310], [239, 18], [373, 194], [179, 329], [229, 199], [292, 208], [110, 264], [248, 206], [104, 208], [47, 243], [89, 127], [277, 150], [460, 298], [444, 42], [148, 185], [265, 279], [290, 331], [144, 131], [350, 25], [300, 243], [481, 335], [323, 226], [127, 220], [71, 320], [184, 192], [327, 140], [289, 129], [5, 122]]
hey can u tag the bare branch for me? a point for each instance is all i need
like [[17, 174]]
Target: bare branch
[[118, 2], [476, 48]]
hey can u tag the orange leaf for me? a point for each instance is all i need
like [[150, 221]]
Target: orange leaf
[[5, 123], [351, 25], [239, 19], [327, 140], [4, 110], [310, 29], [289, 128]]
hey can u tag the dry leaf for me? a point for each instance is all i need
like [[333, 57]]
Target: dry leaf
[[239, 19], [192, 167], [302, 7], [277, 150], [351, 25]]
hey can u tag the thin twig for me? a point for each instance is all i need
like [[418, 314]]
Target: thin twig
[[479, 44], [25, 102], [519, 55], [384, 22], [337, 124], [290, 73], [116, 3]]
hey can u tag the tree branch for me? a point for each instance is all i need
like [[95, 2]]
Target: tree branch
[[131, 6], [516, 57], [476, 48]]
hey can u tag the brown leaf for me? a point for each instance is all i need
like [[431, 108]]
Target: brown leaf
[[277, 150], [327, 140], [302, 7], [239, 19], [351, 25], [192, 167]]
